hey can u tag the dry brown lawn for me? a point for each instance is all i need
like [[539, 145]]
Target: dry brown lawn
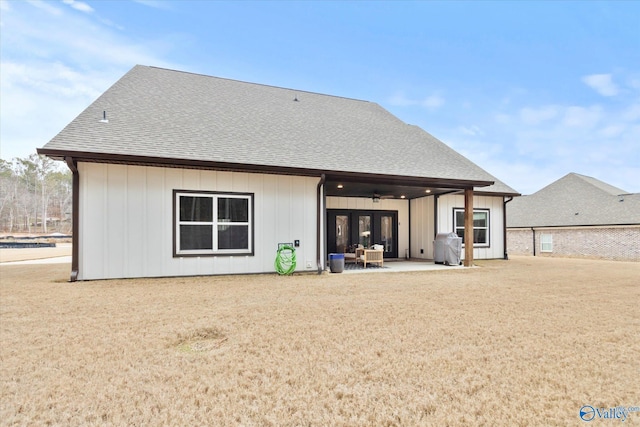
[[522, 342]]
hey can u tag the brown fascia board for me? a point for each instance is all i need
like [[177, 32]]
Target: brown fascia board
[[80, 156], [494, 193]]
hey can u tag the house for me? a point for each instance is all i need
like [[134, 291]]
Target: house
[[576, 216], [178, 174]]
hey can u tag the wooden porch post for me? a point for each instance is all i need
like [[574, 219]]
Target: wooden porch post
[[468, 227]]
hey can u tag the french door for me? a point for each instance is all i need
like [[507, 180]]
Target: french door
[[347, 228]]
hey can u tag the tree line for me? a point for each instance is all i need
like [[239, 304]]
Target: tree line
[[35, 196]]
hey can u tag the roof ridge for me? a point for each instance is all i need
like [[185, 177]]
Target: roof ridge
[[255, 84], [599, 184]]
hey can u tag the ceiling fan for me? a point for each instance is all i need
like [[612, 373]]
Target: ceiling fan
[[377, 196]]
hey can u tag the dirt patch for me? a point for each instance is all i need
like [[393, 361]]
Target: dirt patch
[[205, 339], [528, 341]]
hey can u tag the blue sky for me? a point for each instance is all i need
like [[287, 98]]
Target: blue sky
[[530, 91]]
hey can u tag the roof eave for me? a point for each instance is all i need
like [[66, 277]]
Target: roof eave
[[93, 157]]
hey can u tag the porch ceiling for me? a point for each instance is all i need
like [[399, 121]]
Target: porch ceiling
[[386, 191]]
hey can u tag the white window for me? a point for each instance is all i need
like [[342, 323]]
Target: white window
[[209, 223], [480, 226], [546, 242]]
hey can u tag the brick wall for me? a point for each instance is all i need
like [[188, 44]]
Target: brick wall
[[616, 242]]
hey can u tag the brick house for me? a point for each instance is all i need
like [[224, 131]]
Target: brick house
[[576, 216]]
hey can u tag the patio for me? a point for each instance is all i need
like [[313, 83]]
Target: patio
[[394, 266]]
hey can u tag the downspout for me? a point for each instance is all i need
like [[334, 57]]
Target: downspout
[[533, 232], [504, 223], [320, 216], [408, 251], [75, 219]]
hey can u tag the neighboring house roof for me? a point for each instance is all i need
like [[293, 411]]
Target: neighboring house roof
[[158, 114], [575, 200]]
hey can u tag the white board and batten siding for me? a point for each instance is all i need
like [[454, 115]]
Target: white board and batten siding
[[126, 220], [367, 204], [422, 219], [422, 224]]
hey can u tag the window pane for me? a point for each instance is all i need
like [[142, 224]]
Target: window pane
[[479, 219], [459, 218], [196, 237], [231, 209], [233, 237], [460, 233], [480, 236], [194, 208]]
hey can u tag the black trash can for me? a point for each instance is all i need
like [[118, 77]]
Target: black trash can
[[336, 263]]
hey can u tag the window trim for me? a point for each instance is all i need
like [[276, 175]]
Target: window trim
[[177, 253], [488, 228]]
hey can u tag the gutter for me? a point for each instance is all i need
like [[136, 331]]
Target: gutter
[[320, 219], [75, 221], [504, 225]]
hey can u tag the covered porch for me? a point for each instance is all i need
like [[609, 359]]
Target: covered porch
[[365, 210]]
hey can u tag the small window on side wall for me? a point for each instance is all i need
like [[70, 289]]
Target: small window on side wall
[[546, 243], [212, 223], [480, 226]]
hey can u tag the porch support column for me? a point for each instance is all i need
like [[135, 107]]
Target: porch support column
[[468, 227]]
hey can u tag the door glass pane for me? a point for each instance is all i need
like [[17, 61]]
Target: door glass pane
[[364, 230], [342, 233], [386, 231]]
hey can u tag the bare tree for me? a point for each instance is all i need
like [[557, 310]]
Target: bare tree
[[34, 187]]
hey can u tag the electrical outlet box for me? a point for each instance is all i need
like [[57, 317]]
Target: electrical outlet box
[[296, 243], [421, 251], [309, 264]]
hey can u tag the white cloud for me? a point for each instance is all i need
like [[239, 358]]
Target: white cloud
[[611, 131], [632, 113], [601, 83], [46, 6], [158, 4], [399, 99], [433, 102], [78, 5], [472, 130], [582, 117]]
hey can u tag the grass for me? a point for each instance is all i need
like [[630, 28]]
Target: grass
[[521, 342]]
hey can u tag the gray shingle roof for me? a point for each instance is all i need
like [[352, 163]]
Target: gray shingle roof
[[177, 115], [575, 200]]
